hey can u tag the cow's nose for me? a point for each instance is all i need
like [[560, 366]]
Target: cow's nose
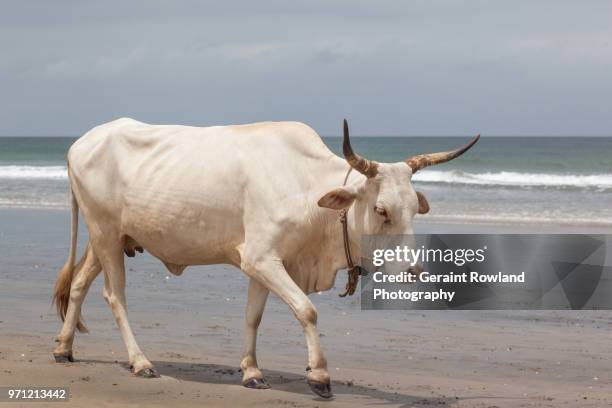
[[416, 269]]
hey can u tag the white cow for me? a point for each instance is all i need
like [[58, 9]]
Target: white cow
[[263, 197]]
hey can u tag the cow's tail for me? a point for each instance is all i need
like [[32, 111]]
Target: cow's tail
[[61, 296]]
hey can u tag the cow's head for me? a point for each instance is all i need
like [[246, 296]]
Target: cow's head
[[385, 202]]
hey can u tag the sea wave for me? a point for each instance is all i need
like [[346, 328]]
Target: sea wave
[[59, 204], [33, 172], [502, 178], [509, 178], [509, 219]]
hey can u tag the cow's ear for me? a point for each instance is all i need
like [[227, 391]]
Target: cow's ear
[[338, 198], [423, 204]]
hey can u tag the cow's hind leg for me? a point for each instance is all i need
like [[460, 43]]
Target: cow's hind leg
[[252, 376], [84, 274], [272, 274], [111, 257]]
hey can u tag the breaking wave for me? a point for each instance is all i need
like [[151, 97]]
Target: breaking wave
[[509, 178], [502, 178], [33, 172]]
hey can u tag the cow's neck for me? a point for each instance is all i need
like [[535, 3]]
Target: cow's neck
[[317, 262], [335, 239], [354, 236]]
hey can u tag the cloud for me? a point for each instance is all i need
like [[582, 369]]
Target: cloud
[[90, 66], [396, 68]]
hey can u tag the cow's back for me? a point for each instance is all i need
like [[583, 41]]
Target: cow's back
[[182, 191]]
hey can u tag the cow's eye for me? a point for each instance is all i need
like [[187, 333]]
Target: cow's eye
[[382, 212]]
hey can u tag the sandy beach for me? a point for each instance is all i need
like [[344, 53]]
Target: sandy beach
[[191, 328]]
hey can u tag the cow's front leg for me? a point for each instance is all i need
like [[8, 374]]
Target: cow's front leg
[[252, 376], [272, 274]]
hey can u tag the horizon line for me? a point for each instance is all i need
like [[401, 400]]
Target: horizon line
[[339, 136]]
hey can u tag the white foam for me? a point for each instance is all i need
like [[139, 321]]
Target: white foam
[[33, 172], [510, 219], [24, 203], [509, 178], [502, 178]]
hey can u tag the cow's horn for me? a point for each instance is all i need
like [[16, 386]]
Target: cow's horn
[[368, 168], [423, 160]]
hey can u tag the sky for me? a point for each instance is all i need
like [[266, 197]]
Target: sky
[[405, 68]]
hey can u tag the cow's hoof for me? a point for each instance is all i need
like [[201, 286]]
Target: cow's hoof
[[63, 358], [257, 383], [147, 373], [323, 390]]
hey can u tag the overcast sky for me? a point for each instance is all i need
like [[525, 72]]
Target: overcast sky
[[390, 67]]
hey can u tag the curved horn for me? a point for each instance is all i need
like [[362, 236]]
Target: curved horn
[[423, 160], [368, 168]]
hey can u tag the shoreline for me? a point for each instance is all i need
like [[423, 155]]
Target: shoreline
[[479, 224]]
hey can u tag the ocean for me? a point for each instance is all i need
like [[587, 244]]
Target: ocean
[[509, 180]]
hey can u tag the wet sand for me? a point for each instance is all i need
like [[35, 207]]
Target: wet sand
[[191, 328]]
